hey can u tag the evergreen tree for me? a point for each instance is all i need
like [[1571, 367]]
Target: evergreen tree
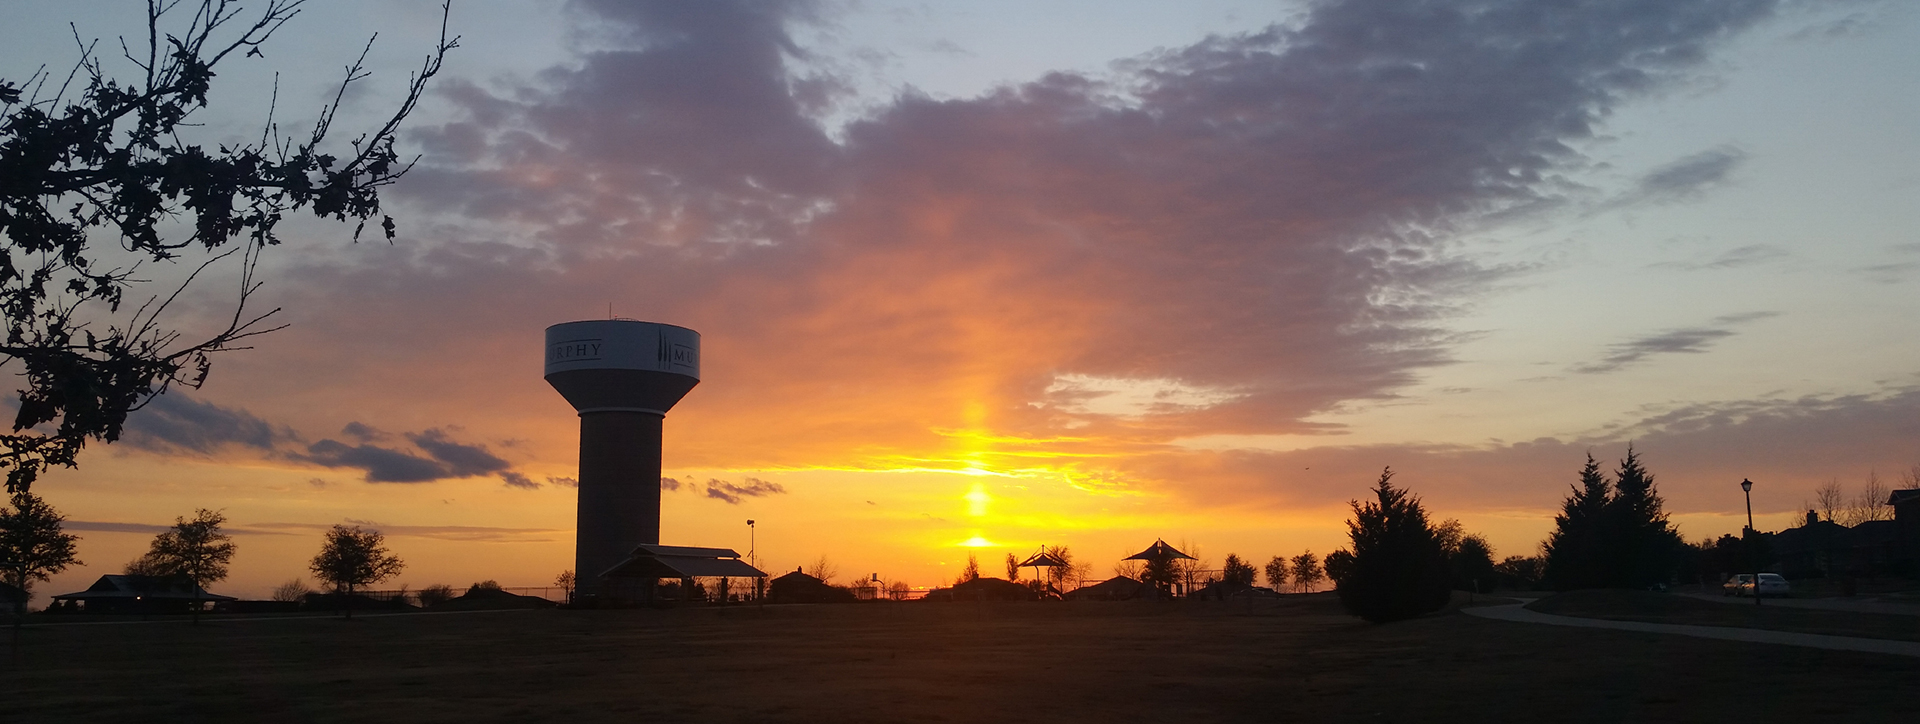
[[1338, 565], [1576, 548], [1644, 545], [1398, 570]]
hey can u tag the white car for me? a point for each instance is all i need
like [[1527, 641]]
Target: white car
[[1771, 585]]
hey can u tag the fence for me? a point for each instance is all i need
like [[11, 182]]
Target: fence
[[551, 593]]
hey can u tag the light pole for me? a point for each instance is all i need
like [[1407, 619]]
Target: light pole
[[1753, 562], [753, 554]]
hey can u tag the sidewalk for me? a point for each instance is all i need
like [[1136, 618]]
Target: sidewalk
[[1515, 612], [1856, 605]]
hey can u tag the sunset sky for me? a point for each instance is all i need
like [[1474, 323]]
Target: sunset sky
[[977, 277]]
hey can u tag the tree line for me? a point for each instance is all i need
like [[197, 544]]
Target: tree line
[[34, 547]]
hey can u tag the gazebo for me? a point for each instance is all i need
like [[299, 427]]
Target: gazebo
[[1040, 560], [1159, 552]]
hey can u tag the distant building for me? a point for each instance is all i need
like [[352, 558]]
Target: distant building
[[142, 594], [1117, 588], [798, 587], [1906, 525], [1824, 548]]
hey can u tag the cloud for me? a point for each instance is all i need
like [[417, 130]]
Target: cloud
[[1267, 214], [175, 423], [1686, 340], [382, 465], [463, 533], [461, 460], [153, 529], [749, 488], [1736, 257], [443, 459], [563, 482], [1686, 179], [724, 491]]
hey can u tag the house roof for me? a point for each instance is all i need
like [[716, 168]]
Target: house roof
[[658, 561], [1158, 551], [1903, 495], [178, 588]]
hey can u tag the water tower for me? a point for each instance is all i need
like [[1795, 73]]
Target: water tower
[[622, 376]]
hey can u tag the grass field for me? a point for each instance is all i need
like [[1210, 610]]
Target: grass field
[[1297, 660]]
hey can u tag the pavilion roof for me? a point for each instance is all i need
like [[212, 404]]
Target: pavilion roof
[[658, 561], [1043, 559], [1159, 551]]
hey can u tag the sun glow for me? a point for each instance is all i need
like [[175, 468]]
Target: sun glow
[[977, 500]]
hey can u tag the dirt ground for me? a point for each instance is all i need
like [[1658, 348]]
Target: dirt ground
[[1297, 660]]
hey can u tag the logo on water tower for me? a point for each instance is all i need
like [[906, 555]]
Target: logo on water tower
[[673, 355]]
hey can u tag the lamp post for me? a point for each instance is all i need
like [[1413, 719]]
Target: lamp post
[[753, 554], [1753, 562]]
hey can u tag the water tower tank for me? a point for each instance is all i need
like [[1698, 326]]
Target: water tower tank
[[621, 376]]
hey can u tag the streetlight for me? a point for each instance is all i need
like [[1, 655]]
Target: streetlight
[[1753, 562], [753, 555]]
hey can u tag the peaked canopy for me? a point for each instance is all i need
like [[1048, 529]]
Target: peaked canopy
[[1159, 551], [1043, 559]]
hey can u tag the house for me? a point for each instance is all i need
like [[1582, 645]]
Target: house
[[798, 587], [1906, 525], [1117, 588], [143, 594]]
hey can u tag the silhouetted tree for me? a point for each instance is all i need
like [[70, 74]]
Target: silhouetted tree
[[1237, 572], [1129, 569], [1276, 571], [1471, 563], [109, 162], [352, 557], [1339, 564], [1398, 570], [1306, 572], [33, 546], [824, 570], [1161, 573], [1013, 568], [1521, 573], [195, 548], [1869, 505], [292, 591], [1576, 549], [1069, 574], [1646, 546], [566, 581], [1612, 535], [437, 593], [970, 573]]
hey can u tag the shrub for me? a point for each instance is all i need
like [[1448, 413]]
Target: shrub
[[436, 593]]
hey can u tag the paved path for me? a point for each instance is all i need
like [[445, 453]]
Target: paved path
[[1514, 612], [1856, 605]]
